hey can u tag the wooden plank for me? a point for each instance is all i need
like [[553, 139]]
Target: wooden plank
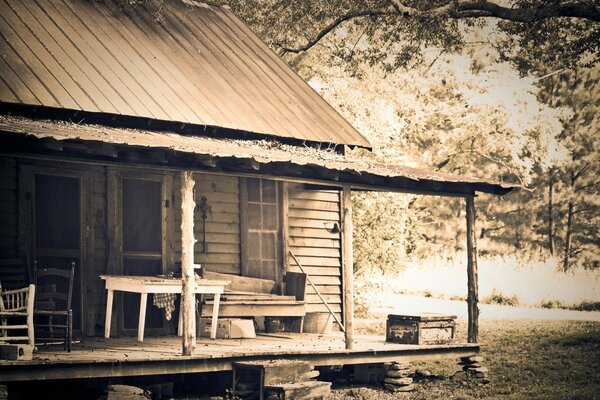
[[244, 261], [320, 307], [326, 280], [245, 284], [216, 258], [230, 269], [309, 223], [311, 242], [317, 252], [322, 233], [219, 218], [222, 248], [285, 226], [220, 197], [207, 184], [318, 215], [330, 299], [226, 208], [317, 271], [317, 205], [320, 195], [334, 289], [320, 262], [347, 267]]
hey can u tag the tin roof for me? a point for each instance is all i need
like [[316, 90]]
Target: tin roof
[[178, 61], [260, 156]]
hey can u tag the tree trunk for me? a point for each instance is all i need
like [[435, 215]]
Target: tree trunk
[[550, 216], [187, 264], [472, 279], [568, 237]]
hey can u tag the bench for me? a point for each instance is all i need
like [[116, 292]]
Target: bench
[[254, 297]]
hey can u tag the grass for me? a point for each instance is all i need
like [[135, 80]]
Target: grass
[[526, 359]]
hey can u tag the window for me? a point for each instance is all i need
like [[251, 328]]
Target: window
[[263, 229]]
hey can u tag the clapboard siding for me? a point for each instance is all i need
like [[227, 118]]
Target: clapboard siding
[[222, 223], [311, 214], [8, 207], [95, 287]]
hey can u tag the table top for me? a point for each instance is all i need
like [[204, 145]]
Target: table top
[[159, 280]]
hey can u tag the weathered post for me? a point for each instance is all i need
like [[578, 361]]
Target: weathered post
[[187, 264], [348, 267], [472, 279]]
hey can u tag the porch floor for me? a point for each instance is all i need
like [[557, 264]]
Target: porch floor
[[125, 356]]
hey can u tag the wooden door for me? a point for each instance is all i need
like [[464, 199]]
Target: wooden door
[[55, 223], [139, 203]]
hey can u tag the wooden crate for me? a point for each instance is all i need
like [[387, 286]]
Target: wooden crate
[[421, 328]]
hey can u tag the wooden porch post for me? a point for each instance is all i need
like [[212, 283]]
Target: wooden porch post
[[187, 264], [472, 280], [347, 267]]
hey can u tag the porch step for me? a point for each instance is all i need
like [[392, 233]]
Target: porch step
[[277, 379]]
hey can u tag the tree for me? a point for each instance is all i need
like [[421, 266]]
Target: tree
[[395, 33]]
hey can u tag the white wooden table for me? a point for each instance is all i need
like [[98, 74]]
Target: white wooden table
[[151, 284]]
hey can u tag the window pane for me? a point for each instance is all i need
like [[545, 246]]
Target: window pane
[[268, 270], [56, 212], [254, 245], [270, 217], [142, 228], [269, 192], [254, 219], [254, 190], [267, 248]]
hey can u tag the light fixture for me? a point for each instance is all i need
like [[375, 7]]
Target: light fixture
[[334, 229]]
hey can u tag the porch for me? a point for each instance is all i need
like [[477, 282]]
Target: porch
[[125, 356]]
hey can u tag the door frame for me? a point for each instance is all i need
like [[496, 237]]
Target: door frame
[[27, 228], [114, 203]]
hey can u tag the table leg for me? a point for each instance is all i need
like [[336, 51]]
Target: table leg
[[108, 317], [215, 316], [142, 320], [180, 322]]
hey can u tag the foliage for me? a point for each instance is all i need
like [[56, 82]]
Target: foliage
[[498, 298], [396, 33]]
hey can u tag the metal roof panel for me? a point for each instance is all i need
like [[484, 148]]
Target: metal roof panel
[[178, 61]]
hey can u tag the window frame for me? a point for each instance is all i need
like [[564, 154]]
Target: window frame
[[281, 236]]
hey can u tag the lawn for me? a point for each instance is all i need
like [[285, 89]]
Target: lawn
[[526, 359]]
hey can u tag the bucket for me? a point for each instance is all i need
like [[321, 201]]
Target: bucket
[[319, 322], [274, 324]]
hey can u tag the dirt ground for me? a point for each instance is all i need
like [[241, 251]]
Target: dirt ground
[[526, 360]]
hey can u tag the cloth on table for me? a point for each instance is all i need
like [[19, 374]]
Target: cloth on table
[[166, 301]]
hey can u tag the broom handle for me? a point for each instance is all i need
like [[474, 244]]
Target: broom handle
[[318, 293]]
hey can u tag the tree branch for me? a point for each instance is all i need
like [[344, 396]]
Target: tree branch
[[483, 8], [337, 22], [461, 10]]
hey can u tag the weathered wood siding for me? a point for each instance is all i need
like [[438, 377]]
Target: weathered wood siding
[[99, 257], [311, 214], [222, 223], [8, 207]]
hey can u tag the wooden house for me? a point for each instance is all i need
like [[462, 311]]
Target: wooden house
[[105, 109]]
